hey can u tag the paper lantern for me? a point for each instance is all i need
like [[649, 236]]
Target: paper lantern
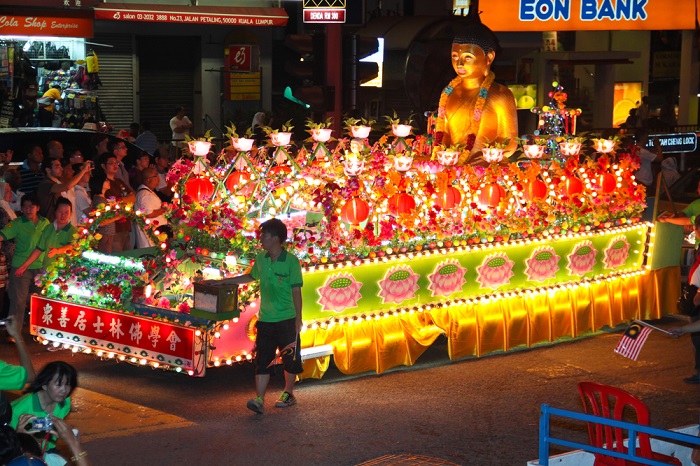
[[607, 182], [401, 203], [536, 189], [491, 194], [199, 188], [572, 186], [321, 134], [235, 180], [449, 198], [355, 211], [199, 148], [280, 169]]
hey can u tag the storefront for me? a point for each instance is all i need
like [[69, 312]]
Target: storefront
[[43, 48]]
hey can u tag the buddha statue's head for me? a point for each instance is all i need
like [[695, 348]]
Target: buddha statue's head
[[473, 51]]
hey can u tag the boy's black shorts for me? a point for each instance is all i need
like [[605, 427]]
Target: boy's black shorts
[[274, 335]]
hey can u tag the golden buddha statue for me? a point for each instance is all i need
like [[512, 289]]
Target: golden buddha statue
[[474, 110]]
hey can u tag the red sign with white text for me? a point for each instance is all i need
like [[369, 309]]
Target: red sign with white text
[[112, 331], [240, 58], [223, 16], [18, 25], [324, 15]]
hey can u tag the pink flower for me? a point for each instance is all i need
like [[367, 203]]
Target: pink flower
[[447, 278], [184, 307], [164, 303], [341, 291], [543, 264], [582, 259], [617, 253], [495, 270], [399, 284]]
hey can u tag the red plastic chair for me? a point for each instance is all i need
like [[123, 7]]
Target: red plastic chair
[[611, 402]]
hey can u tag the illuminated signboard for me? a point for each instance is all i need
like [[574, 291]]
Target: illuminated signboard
[[324, 11], [51, 25], [626, 97], [674, 143], [587, 15], [118, 333]]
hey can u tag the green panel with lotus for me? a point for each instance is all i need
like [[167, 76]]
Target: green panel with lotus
[[416, 279]]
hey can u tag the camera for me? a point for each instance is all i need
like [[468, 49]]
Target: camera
[[42, 424]]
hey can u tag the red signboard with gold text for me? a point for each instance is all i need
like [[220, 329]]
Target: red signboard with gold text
[[119, 333], [210, 15], [39, 25]]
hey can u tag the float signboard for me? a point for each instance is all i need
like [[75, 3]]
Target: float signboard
[[132, 336]]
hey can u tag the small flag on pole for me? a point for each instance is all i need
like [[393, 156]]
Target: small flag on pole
[[632, 341]]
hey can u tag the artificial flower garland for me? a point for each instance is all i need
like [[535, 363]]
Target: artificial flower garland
[[478, 110]]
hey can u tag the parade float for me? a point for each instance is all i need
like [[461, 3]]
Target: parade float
[[400, 245]]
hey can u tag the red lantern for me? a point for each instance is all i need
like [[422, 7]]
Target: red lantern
[[235, 180], [607, 182], [199, 188], [572, 185], [535, 190], [280, 169], [401, 203], [449, 198], [491, 194], [355, 211]]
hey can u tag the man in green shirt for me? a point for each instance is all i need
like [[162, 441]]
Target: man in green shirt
[[279, 318], [25, 230], [57, 238]]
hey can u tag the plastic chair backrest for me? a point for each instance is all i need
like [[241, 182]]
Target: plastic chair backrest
[[611, 402]]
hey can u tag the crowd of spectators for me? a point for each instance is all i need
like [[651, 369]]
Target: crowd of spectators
[[53, 178]]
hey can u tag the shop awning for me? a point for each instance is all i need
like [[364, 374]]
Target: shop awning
[[183, 14]]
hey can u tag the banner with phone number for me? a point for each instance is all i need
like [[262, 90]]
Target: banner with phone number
[[110, 331]]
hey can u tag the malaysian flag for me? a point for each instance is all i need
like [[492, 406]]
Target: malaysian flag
[[632, 341]]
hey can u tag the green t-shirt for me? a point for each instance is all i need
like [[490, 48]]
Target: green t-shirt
[[276, 282], [26, 236], [12, 377], [692, 211], [50, 238], [30, 404]]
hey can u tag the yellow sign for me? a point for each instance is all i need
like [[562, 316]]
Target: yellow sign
[[587, 15], [626, 97], [245, 86]]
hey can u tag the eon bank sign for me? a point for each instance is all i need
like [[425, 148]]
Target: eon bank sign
[[582, 15]]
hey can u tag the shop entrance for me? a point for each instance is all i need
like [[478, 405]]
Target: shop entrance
[[166, 79]]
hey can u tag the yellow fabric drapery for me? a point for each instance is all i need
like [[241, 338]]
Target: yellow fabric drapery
[[479, 328]]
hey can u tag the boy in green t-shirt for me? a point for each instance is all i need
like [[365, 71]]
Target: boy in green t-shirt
[[25, 230], [279, 318]]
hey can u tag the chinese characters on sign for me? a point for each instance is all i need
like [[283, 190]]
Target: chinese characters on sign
[[101, 329]]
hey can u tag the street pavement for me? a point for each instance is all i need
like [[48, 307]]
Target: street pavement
[[481, 411]]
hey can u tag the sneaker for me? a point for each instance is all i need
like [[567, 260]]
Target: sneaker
[[286, 399], [256, 405], [694, 379]]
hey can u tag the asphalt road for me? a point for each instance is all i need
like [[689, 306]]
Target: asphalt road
[[473, 412]]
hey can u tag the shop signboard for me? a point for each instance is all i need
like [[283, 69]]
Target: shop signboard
[[132, 336], [45, 25], [223, 16], [626, 97], [675, 142], [84, 4], [587, 15]]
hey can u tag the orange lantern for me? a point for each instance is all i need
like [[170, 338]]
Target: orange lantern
[[535, 190], [355, 211], [199, 189], [235, 180], [449, 198], [572, 185], [607, 182], [491, 194], [401, 203]]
